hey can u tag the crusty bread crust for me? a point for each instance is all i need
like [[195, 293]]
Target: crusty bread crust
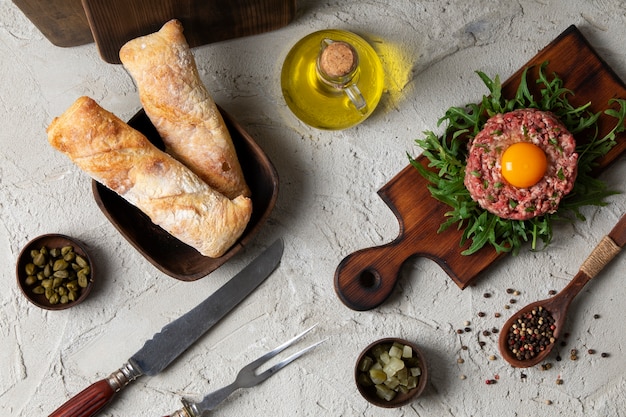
[[181, 108], [124, 160]]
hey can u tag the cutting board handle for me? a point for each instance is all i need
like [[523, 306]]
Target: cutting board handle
[[366, 278]]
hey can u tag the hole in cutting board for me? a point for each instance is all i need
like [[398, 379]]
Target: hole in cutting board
[[369, 279]]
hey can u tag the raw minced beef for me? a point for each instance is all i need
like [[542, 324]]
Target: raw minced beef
[[483, 176]]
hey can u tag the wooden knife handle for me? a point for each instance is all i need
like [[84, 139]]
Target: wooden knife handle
[[92, 399], [87, 402]]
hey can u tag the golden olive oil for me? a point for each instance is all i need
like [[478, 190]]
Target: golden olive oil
[[323, 106]]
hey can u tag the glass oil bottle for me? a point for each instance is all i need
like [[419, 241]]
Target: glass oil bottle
[[332, 79]]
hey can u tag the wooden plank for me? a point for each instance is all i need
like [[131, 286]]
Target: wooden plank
[[62, 22], [115, 22]]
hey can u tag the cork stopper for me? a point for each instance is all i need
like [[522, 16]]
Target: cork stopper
[[338, 59]]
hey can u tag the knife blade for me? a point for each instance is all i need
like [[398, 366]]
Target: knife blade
[[176, 337]]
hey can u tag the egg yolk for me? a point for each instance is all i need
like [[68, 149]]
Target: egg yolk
[[523, 164]]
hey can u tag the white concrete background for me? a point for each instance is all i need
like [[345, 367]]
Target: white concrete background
[[327, 209]]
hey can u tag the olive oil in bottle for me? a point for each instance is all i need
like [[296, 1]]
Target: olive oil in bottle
[[332, 79]]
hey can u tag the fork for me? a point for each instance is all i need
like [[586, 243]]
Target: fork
[[246, 378]]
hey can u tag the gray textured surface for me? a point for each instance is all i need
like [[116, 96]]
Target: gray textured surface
[[327, 209]]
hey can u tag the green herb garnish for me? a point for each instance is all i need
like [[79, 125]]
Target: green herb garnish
[[447, 154]]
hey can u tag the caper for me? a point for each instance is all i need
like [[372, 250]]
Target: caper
[[33, 253], [72, 296], [55, 252], [62, 291], [81, 261], [47, 283], [48, 293], [60, 264], [54, 299], [47, 271], [30, 280], [61, 274], [64, 299], [57, 281], [66, 249], [82, 281], [39, 259], [41, 276], [72, 285], [30, 268], [69, 257], [86, 270], [39, 290], [43, 250]]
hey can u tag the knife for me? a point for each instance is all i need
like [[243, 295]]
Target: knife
[[174, 339]]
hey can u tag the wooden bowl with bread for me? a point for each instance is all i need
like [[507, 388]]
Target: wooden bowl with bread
[[164, 251]]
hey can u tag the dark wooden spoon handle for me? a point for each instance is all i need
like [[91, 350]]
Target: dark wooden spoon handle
[[606, 250], [618, 233]]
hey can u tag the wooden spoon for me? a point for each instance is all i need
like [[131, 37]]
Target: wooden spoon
[[557, 306]]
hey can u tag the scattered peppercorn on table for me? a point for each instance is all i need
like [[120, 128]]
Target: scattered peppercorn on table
[[327, 208]]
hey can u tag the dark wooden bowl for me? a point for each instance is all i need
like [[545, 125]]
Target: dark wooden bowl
[[51, 241], [164, 251], [401, 399]]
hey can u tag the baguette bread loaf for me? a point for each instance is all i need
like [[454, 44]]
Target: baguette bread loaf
[[124, 160], [181, 108]]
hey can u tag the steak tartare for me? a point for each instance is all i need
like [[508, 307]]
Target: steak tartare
[[484, 177]]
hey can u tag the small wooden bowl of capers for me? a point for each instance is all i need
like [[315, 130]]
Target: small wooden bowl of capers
[[54, 272], [391, 372]]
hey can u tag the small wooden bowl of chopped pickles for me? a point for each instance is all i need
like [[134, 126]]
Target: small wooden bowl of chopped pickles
[[54, 272], [391, 372]]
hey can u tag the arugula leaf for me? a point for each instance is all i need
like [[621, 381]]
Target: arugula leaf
[[447, 156]]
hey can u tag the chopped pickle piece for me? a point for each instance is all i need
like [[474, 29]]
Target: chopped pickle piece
[[393, 367], [403, 376], [385, 393], [395, 352], [365, 380], [392, 382], [366, 363], [378, 376], [407, 351]]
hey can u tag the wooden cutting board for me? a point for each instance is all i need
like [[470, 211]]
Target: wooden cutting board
[[63, 22], [364, 279], [115, 22]]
